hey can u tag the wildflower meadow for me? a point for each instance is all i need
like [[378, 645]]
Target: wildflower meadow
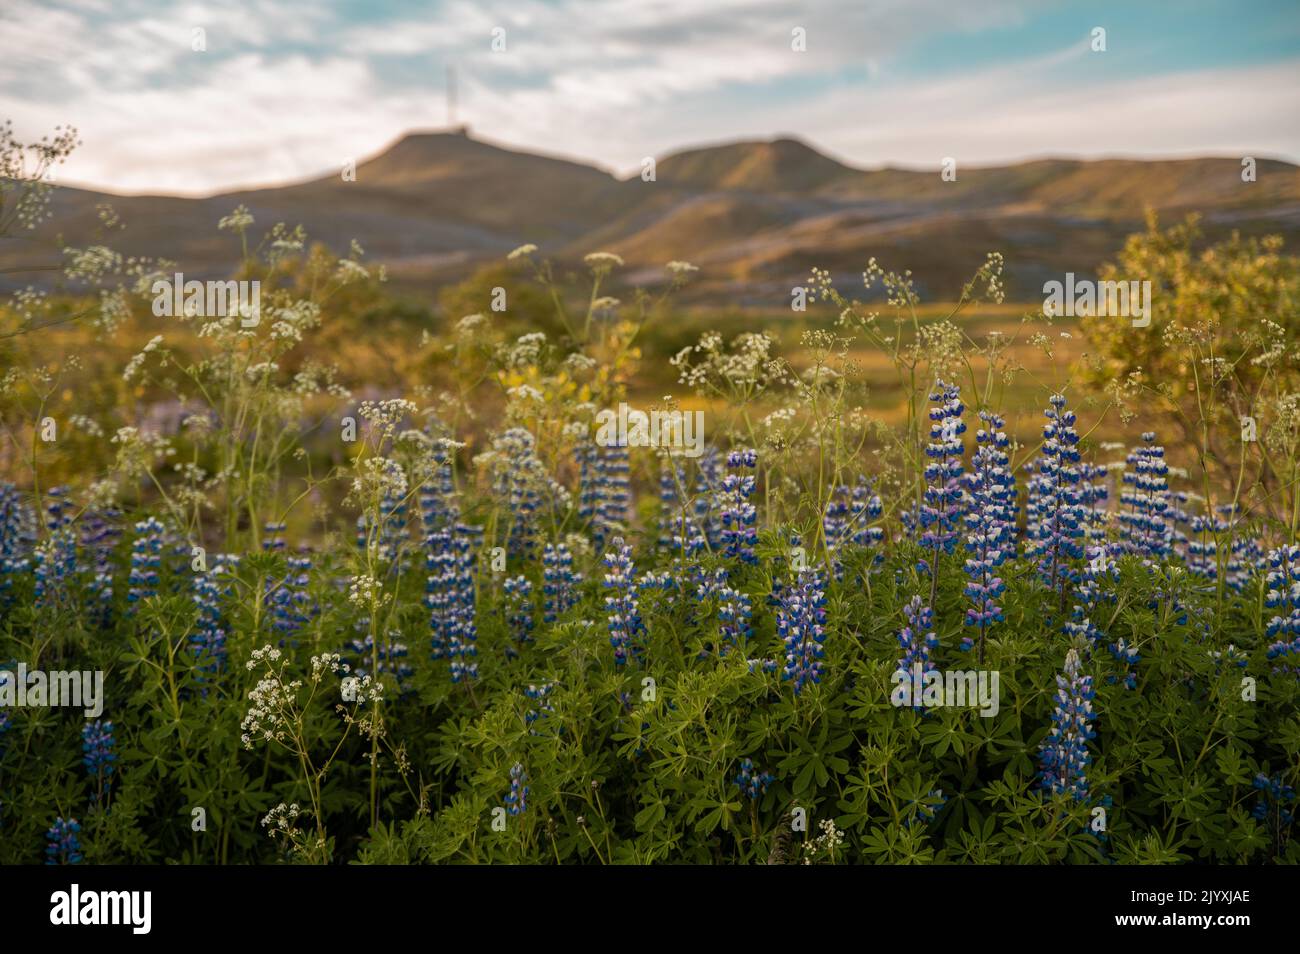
[[303, 579]]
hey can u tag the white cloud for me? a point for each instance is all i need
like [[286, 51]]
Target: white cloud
[[288, 90]]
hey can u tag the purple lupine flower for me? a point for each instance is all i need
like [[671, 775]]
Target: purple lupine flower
[[1063, 757], [708, 480], [622, 606], [801, 624], [941, 508], [540, 696], [100, 531], [1144, 526], [17, 534], [289, 598], [210, 591], [389, 658], [520, 481], [146, 557], [1274, 797], [1202, 551], [613, 494], [679, 532], [917, 640], [64, 843], [1096, 591], [56, 557], [848, 519], [1094, 493], [437, 496], [517, 800], [273, 537], [1056, 510], [519, 608], [1282, 593], [97, 755], [738, 515], [450, 598], [735, 610], [991, 526], [559, 582], [1245, 556], [752, 784]]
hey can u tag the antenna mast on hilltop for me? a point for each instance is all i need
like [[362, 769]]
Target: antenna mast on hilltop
[[451, 97]]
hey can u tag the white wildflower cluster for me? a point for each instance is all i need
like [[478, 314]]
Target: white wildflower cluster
[[86, 425], [746, 367], [605, 304], [137, 451], [386, 416], [137, 362], [364, 590], [272, 702], [362, 689], [527, 350], [350, 271], [28, 302], [281, 818], [378, 478], [114, 309], [288, 324], [237, 221], [681, 269], [91, 264], [827, 843], [471, 325], [522, 251], [602, 261], [327, 662]]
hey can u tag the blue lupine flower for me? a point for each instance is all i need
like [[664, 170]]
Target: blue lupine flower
[[1095, 592], [941, 509], [708, 481], [100, 532], [540, 695], [1203, 545], [17, 534], [437, 497], [390, 536], [97, 754], [1144, 525], [211, 591], [1274, 796], [391, 656], [1282, 593], [752, 784], [1245, 556], [679, 531], [56, 557], [991, 523], [611, 494], [1063, 757], [450, 597], [848, 518], [622, 607], [801, 625], [917, 640], [64, 846], [520, 481], [517, 800], [559, 582], [1094, 493], [928, 809], [738, 515], [289, 598], [146, 557], [519, 608], [735, 610], [273, 537], [1056, 511]]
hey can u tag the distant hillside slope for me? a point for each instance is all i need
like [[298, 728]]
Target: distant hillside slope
[[755, 216]]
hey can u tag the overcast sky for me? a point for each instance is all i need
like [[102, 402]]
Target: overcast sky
[[288, 89]]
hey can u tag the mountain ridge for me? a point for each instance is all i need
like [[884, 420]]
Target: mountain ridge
[[754, 214]]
